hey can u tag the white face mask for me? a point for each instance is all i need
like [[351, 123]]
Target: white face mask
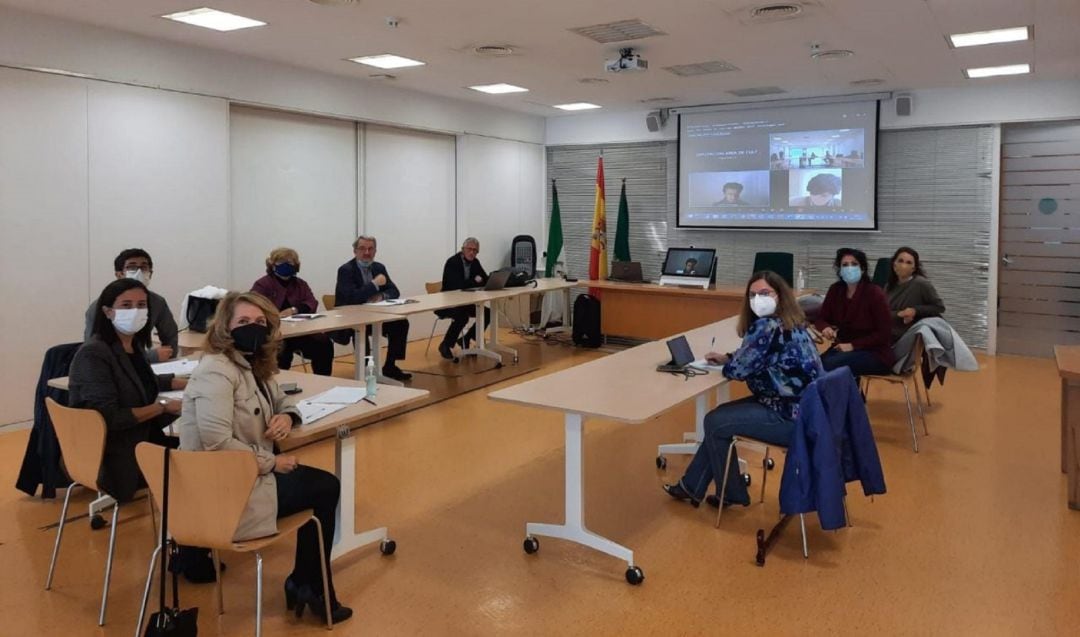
[[130, 321], [763, 305], [138, 275]]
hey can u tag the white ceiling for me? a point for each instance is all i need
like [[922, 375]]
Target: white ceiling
[[899, 41]]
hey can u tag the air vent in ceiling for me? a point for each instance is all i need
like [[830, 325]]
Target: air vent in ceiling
[[870, 81], [768, 12], [757, 91], [620, 31], [593, 80], [832, 54], [336, 3], [382, 76], [494, 50], [657, 100], [701, 68]]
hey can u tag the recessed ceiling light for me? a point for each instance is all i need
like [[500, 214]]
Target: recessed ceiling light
[[498, 89], [577, 106], [213, 19], [386, 61], [992, 71], [997, 36], [832, 54]]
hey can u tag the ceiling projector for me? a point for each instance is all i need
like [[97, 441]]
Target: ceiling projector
[[627, 61]]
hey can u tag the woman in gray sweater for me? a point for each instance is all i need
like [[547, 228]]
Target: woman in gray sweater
[[911, 295]]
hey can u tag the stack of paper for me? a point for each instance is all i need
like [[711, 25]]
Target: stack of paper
[[180, 367], [298, 318], [331, 400], [312, 411], [386, 302]]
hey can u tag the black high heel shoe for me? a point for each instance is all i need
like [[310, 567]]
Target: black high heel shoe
[[297, 597], [676, 491]]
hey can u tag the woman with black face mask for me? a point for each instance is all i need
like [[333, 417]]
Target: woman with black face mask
[[233, 402], [292, 295]]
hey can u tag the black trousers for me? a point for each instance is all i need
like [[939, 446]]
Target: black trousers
[[310, 488], [397, 337], [459, 316], [315, 347]]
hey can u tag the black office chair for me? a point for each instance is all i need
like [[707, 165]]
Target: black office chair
[[782, 263], [881, 271], [523, 254]]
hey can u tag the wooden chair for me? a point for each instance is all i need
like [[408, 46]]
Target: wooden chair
[[433, 287], [329, 301], [918, 350], [208, 493], [81, 434]]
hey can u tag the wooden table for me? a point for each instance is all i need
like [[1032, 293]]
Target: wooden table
[[650, 311], [346, 317], [624, 387], [1068, 364], [343, 422]]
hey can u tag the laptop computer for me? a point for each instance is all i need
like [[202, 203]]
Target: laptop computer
[[627, 271], [496, 281]]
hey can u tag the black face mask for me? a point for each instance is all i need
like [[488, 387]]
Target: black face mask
[[249, 338]]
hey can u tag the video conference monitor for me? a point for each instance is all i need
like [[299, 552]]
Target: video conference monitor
[[695, 262], [804, 167]]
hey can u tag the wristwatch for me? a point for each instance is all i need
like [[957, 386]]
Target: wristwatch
[[164, 402]]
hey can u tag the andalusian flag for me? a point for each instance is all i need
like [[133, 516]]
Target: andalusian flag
[[555, 240], [622, 228], [598, 259]]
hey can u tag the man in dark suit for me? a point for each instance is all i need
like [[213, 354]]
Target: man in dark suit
[[463, 270], [365, 280]]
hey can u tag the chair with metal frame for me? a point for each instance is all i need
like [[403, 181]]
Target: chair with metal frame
[[81, 434], [917, 353], [208, 494], [433, 287]]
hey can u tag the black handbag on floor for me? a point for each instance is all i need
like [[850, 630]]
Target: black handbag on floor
[[174, 621]]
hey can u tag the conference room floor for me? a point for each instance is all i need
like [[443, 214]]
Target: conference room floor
[[973, 537]]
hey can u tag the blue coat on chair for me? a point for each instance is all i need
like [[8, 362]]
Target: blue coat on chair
[[831, 446]]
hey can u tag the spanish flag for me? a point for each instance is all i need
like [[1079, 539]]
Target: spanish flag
[[598, 258]]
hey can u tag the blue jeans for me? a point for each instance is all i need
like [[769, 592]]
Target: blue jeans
[[861, 362], [743, 417]]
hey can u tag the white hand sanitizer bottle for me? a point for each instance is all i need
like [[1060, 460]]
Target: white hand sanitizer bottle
[[369, 376], [800, 280]]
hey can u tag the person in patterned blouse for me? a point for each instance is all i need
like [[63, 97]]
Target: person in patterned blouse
[[778, 361]]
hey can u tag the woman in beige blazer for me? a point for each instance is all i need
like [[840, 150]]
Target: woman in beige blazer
[[233, 402]]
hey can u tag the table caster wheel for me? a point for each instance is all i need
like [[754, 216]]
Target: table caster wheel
[[388, 547], [661, 462], [747, 479], [498, 365], [635, 575], [770, 464], [97, 522], [531, 545]]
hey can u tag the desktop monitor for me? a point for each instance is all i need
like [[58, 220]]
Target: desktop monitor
[[691, 262]]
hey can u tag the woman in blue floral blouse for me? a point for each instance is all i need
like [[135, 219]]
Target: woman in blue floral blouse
[[778, 360]]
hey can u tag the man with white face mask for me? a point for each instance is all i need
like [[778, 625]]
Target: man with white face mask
[[135, 263]]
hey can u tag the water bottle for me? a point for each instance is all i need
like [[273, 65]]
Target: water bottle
[[369, 376], [800, 280]]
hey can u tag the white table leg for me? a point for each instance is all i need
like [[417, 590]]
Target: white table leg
[[692, 439], [573, 529], [346, 539], [480, 350], [566, 327], [495, 345], [360, 352]]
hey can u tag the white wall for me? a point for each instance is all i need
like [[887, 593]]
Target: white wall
[[30, 40], [294, 183], [1011, 101], [500, 195]]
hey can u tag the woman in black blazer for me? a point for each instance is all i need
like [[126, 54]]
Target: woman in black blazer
[[110, 375]]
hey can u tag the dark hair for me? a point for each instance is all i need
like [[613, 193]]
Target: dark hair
[[859, 255], [734, 185], [691, 260], [103, 327], [787, 308], [895, 280], [131, 253], [823, 183]]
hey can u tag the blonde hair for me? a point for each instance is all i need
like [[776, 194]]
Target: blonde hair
[[282, 254], [787, 308], [219, 338]]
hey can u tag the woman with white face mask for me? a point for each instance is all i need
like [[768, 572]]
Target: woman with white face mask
[[778, 360], [855, 316], [110, 374]]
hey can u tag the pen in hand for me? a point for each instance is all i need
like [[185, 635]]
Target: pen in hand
[[713, 343]]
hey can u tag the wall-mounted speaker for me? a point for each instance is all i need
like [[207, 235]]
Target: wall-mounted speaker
[[904, 105], [655, 120]]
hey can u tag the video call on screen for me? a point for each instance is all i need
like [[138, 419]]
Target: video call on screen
[[792, 167]]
